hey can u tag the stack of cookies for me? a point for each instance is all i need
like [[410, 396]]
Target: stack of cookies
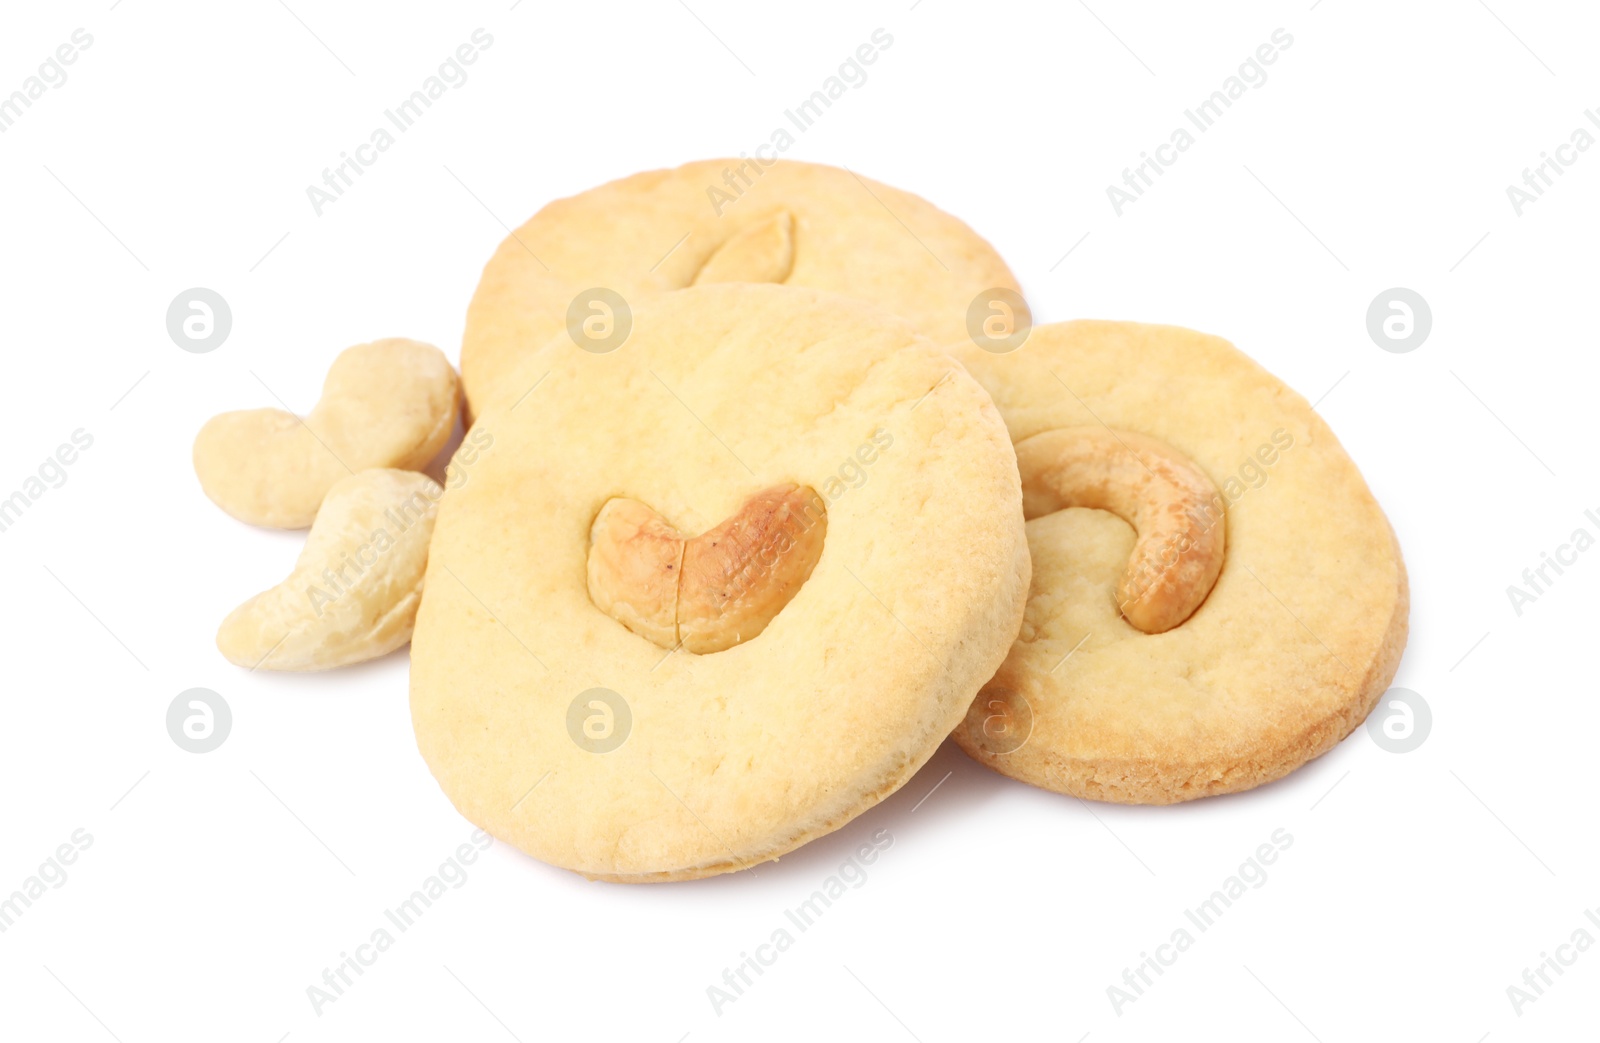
[[759, 501]]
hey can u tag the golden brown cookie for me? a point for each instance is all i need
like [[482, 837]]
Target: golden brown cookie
[[585, 262], [1216, 598], [714, 593]]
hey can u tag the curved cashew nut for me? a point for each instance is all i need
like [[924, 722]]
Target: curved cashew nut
[[1172, 505], [762, 252], [391, 403], [354, 591], [715, 590]]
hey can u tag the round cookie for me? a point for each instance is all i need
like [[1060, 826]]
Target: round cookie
[[1286, 653], [737, 420], [733, 220]]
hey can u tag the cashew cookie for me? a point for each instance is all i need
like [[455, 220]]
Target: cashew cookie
[[587, 261], [1216, 597], [719, 591]]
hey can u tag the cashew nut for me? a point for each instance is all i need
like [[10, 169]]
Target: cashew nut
[[762, 252], [635, 561], [715, 590], [390, 403], [354, 591], [1171, 504]]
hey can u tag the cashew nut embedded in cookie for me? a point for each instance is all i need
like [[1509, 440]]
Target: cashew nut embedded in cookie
[[391, 403], [712, 591], [354, 591], [762, 252], [1171, 504], [635, 561]]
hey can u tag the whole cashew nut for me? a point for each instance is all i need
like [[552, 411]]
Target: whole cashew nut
[[1173, 506], [762, 252], [390, 403], [715, 590], [354, 591]]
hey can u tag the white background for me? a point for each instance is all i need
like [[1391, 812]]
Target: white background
[[219, 886]]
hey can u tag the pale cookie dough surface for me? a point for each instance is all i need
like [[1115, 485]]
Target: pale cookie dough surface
[[737, 756], [800, 224], [1295, 643]]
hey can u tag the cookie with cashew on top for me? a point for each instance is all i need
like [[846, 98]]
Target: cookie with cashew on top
[[585, 262], [717, 592], [1217, 598]]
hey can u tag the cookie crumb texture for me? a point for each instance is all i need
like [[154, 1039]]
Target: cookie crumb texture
[[552, 725], [1298, 638]]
